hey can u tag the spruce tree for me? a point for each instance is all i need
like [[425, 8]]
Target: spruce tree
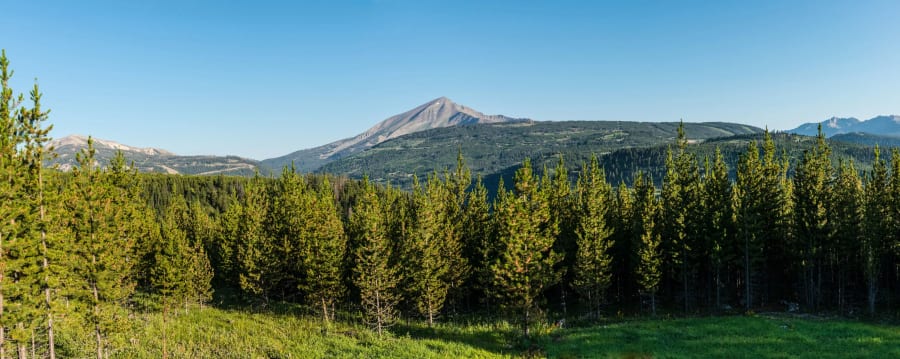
[[525, 235], [593, 263]]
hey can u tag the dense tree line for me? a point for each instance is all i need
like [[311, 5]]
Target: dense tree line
[[83, 245]]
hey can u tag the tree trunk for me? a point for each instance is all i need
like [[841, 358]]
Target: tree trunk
[[684, 279], [718, 288], [165, 352], [324, 310], [563, 294], [873, 291], [378, 312], [97, 324], [51, 343], [99, 342], [653, 302], [525, 323], [747, 297]]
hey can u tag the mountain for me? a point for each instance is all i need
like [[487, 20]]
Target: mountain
[[495, 150], [437, 113], [149, 159], [881, 126]]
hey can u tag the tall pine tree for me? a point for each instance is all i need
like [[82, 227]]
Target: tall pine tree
[[374, 273], [593, 263], [525, 235]]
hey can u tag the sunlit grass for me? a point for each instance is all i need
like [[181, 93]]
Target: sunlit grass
[[221, 333]]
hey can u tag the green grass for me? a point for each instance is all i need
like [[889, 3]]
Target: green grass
[[727, 337], [219, 333]]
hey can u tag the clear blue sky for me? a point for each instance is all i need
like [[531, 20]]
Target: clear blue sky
[[261, 79]]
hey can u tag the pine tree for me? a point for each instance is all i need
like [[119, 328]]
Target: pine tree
[[478, 243], [625, 246], [182, 272], [593, 263], [895, 202], [877, 226], [649, 271], [750, 219], [563, 212], [374, 274], [760, 200], [525, 235], [287, 225], [38, 274], [433, 247], [255, 248], [100, 206], [11, 194], [845, 220], [681, 216], [811, 192], [325, 245], [719, 220], [458, 183]]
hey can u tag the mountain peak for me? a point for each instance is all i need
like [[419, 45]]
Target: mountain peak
[[437, 113], [888, 125]]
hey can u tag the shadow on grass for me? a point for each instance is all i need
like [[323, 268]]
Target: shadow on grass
[[493, 337]]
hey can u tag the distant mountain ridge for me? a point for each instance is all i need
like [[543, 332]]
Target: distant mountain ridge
[[148, 159], [438, 113], [887, 125]]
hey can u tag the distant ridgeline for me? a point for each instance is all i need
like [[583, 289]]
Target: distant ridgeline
[[149, 159]]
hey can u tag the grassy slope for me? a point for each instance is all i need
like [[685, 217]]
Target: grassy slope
[[217, 333]]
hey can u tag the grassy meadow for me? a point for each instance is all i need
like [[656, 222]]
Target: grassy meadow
[[222, 333]]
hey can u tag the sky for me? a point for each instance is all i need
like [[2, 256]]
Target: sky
[[261, 79]]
